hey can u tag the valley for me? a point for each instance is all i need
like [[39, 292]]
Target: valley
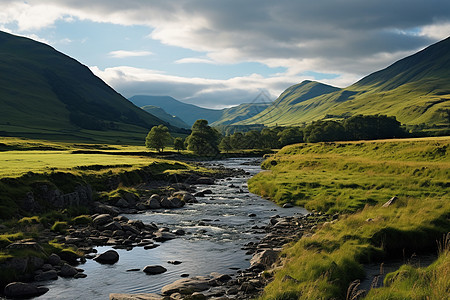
[[290, 199]]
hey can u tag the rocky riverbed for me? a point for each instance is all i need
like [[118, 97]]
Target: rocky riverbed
[[202, 213]]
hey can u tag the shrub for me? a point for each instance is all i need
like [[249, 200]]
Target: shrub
[[81, 220], [59, 226]]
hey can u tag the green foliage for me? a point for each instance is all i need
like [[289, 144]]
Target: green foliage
[[29, 220], [59, 227], [324, 131], [357, 178], [203, 140], [412, 282], [81, 220], [158, 138], [225, 144], [178, 144], [289, 136]]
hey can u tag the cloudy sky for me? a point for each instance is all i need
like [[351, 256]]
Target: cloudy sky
[[218, 53]]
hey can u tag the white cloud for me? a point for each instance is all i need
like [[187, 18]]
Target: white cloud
[[125, 53], [195, 60], [213, 93], [350, 38], [436, 31]]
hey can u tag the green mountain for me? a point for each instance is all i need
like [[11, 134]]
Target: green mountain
[[189, 113], [240, 113], [415, 89], [46, 94], [161, 114]]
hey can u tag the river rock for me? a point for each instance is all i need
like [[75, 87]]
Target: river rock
[[185, 196], [20, 290], [153, 202], [187, 285], [288, 205], [102, 219], [105, 209], [108, 257], [163, 236], [25, 245], [114, 225], [47, 275], [264, 258], [177, 202], [166, 203], [179, 232], [154, 270], [67, 271], [141, 206], [205, 180], [135, 297], [122, 203]]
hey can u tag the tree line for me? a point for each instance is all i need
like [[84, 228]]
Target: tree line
[[207, 141]]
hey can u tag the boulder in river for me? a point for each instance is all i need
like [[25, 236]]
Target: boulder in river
[[67, 271], [108, 257], [54, 259], [153, 202], [187, 285], [205, 180], [47, 275], [102, 219], [154, 270], [135, 297], [288, 205], [20, 290]]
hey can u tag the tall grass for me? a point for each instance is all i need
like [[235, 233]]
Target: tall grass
[[355, 179]]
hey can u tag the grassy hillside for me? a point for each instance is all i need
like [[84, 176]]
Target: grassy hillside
[[46, 94], [189, 113], [163, 115], [353, 180], [414, 89], [239, 113]]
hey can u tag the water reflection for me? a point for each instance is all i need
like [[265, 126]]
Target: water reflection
[[214, 245]]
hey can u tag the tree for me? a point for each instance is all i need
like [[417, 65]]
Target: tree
[[324, 131], [290, 136], [237, 140], [252, 140], [269, 138], [370, 127], [204, 140], [178, 144], [158, 138], [225, 144]]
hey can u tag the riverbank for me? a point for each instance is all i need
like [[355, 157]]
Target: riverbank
[[42, 212], [357, 180]]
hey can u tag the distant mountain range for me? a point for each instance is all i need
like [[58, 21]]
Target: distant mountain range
[[415, 90], [161, 114], [46, 94], [190, 113]]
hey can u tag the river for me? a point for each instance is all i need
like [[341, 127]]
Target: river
[[217, 228]]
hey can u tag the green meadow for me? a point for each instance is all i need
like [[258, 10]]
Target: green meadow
[[354, 180]]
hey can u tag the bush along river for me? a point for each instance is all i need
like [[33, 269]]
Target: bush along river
[[215, 246]]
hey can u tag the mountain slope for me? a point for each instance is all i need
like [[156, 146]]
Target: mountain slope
[[189, 113], [46, 94], [161, 114], [415, 89], [240, 113]]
